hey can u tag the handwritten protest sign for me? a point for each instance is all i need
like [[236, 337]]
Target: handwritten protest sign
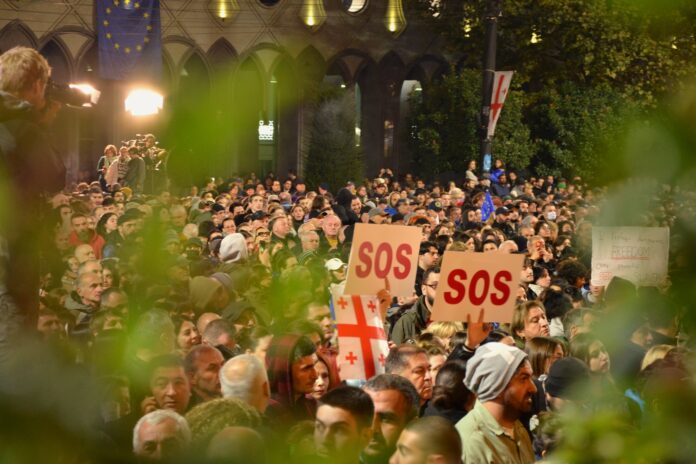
[[382, 252], [471, 281], [638, 254]]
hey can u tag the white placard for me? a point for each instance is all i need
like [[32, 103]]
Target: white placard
[[638, 254]]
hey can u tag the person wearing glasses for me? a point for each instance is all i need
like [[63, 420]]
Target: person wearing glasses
[[415, 319]]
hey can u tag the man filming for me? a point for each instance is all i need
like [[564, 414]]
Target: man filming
[[29, 166]]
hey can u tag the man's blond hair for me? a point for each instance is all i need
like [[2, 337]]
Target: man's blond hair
[[20, 68]]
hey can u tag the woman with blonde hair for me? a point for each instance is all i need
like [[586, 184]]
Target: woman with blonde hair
[[445, 330]]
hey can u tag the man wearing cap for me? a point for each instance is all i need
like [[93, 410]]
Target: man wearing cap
[[501, 377], [337, 271], [501, 221], [127, 226], [377, 216]]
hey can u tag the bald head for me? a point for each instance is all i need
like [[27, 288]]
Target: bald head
[[244, 377], [237, 444], [205, 319]]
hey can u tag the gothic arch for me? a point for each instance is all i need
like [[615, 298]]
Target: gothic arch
[[310, 64], [221, 55], [16, 33], [56, 53]]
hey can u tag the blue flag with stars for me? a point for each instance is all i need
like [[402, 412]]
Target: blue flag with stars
[[129, 39], [487, 208]]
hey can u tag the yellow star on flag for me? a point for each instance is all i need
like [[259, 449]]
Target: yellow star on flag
[[117, 46], [108, 35], [106, 23], [137, 5], [146, 39], [149, 28], [127, 50], [108, 10], [116, 2], [126, 2], [146, 15], [139, 48]]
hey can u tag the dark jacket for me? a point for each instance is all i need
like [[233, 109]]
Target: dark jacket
[[411, 323], [32, 168], [135, 178], [285, 409]]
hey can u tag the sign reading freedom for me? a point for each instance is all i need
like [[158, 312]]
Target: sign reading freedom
[[382, 252], [470, 282], [638, 254]]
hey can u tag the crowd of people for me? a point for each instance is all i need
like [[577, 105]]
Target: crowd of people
[[206, 318], [214, 312]]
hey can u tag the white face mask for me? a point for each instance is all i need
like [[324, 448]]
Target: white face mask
[[551, 215]]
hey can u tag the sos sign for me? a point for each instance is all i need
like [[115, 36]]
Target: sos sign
[[382, 252], [471, 281]]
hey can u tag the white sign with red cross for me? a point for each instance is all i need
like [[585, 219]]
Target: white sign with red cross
[[501, 85], [362, 342]]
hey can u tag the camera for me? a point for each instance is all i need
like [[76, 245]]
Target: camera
[[73, 95]]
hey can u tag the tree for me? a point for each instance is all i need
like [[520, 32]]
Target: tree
[[444, 127], [333, 156]]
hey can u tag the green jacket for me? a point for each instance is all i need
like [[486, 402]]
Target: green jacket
[[412, 323], [485, 441]]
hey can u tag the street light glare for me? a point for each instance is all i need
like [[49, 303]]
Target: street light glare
[[144, 102]]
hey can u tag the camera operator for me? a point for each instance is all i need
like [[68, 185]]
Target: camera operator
[[30, 168]]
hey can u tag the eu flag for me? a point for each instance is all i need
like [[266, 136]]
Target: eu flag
[[129, 39], [487, 208]]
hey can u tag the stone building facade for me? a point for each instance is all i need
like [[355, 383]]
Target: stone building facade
[[258, 65]]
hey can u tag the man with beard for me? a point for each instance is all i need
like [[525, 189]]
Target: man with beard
[[501, 377], [396, 403], [414, 320], [82, 235]]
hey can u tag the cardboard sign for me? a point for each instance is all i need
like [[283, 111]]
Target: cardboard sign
[[638, 254], [471, 281], [379, 252]]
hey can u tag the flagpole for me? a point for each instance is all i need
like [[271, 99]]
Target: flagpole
[[491, 14]]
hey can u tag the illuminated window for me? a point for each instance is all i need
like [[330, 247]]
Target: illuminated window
[[354, 6], [266, 131]]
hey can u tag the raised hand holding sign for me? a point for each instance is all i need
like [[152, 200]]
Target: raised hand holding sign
[[382, 252], [471, 283]]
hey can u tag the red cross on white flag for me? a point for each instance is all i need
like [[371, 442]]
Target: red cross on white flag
[[501, 85], [362, 342]]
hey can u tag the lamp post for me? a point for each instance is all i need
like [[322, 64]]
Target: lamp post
[[493, 11]]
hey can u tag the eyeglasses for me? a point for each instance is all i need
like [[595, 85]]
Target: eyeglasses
[[433, 286]]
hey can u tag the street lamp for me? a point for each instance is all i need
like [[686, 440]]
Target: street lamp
[[493, 11]]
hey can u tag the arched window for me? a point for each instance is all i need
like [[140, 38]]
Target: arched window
[[354, 6]]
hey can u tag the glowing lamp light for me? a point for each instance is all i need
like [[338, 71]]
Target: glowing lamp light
[[144, 102], [394, 19], [88, 90], [313, 14], [223, 10], [536, 38]]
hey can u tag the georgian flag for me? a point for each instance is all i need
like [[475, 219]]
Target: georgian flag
[[362, 342]]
